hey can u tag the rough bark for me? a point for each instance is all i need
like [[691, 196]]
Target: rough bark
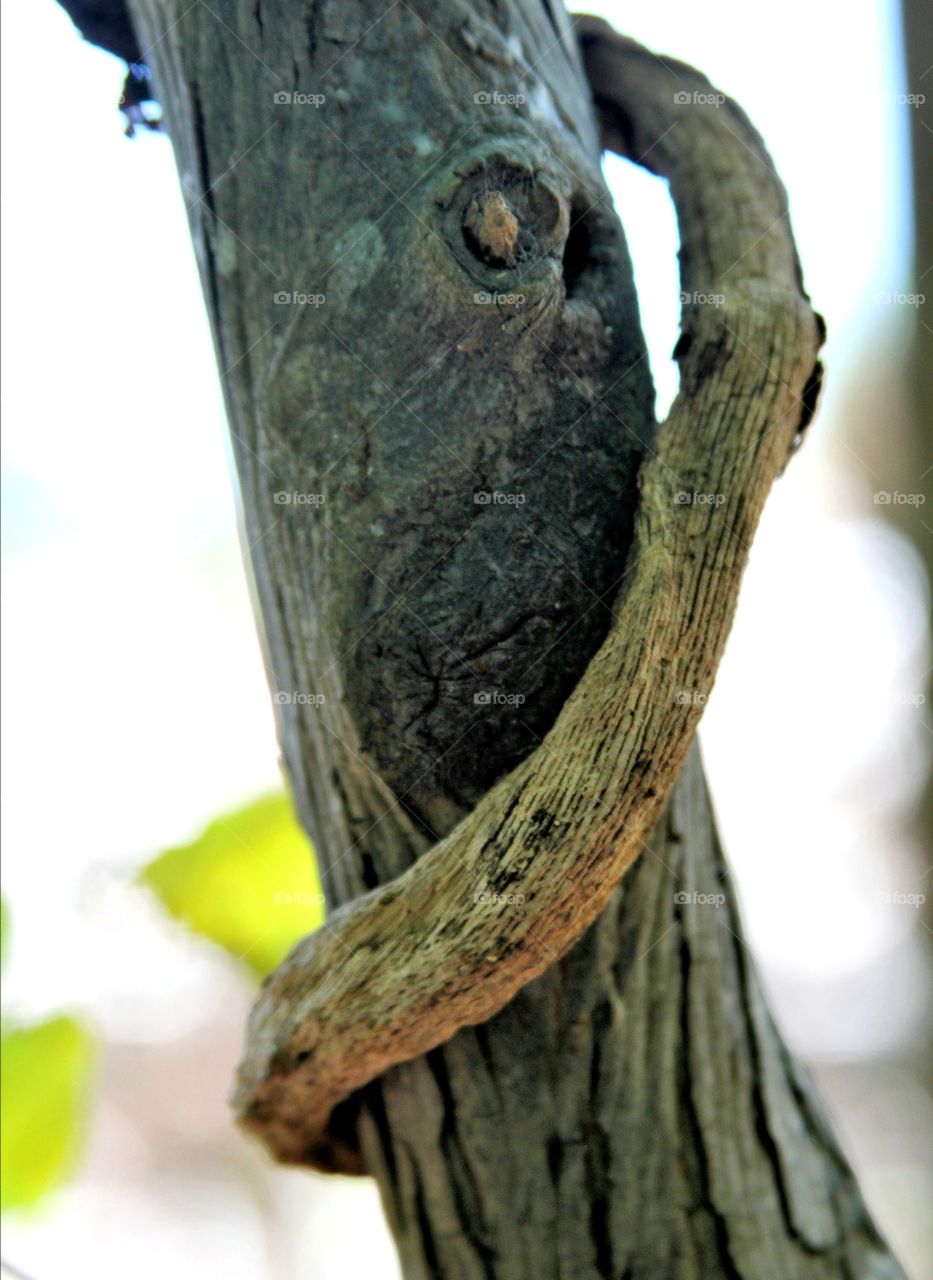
[[632, 1112]]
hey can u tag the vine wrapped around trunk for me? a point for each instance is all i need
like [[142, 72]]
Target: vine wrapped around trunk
[[631, 1112], [400, 970]]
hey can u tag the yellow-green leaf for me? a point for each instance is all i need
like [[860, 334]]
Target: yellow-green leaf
[[249, 883], [46, 1074]]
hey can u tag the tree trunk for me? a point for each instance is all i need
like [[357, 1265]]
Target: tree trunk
[[631, 1113]]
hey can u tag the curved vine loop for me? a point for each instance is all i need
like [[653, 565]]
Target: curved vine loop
[[489, 907]]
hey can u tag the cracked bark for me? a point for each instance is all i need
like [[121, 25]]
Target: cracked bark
[[632, 1113]]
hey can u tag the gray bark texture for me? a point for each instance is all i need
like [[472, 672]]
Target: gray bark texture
[[631, 1112]]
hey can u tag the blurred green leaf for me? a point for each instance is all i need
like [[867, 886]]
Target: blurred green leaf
[[46, 1074], [248, 883]]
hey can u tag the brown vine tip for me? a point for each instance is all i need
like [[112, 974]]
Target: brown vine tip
[[276, 1096]]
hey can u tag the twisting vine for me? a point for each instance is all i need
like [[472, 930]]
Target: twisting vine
[[401, 969]]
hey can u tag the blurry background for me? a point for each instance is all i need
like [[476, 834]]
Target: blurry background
[[135, 700]]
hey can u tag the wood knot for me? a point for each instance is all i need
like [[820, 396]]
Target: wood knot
[[515, 219], [494, 227]]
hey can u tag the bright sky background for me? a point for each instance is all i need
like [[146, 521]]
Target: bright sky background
[[135, 703]]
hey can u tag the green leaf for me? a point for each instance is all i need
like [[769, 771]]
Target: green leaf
[[46, 1075], [248, 883]]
